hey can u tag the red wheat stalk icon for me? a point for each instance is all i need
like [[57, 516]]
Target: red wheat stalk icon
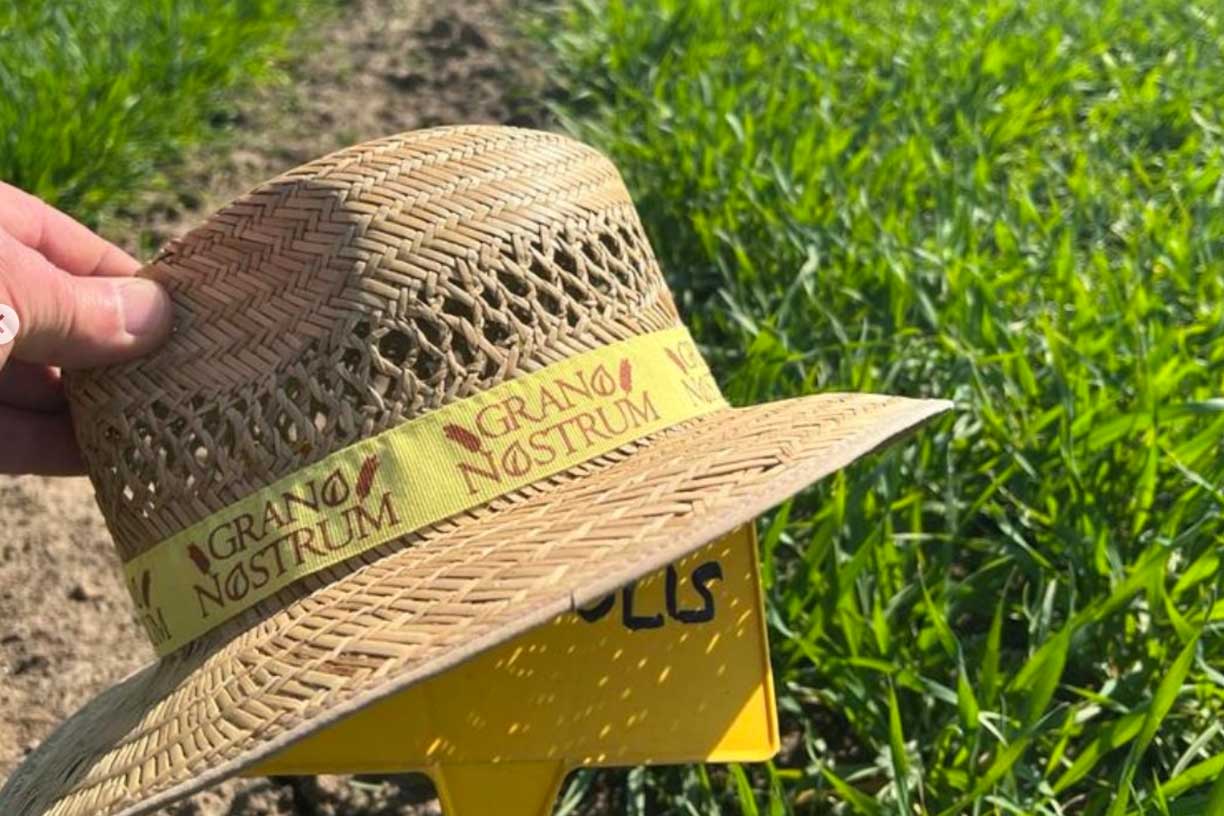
[[198, 558], [675, 358], [626, 375], [462, 436], [146, 587], [365, 479]]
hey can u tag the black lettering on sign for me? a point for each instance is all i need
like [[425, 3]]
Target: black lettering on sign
[[701, 578], [631, 615], [633, 621], [593, 613]]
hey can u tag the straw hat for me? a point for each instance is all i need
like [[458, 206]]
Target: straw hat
[[423, 394]]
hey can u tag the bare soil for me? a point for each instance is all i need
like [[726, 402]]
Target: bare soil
[[375, 68]]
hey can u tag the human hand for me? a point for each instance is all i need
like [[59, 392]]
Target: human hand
[[78, 306]]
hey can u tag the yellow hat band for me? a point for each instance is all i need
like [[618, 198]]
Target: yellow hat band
[[431, 467]]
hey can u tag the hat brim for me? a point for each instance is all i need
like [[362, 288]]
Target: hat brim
[[356, 634]]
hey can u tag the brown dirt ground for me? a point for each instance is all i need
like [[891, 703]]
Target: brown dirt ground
[[376, 67]]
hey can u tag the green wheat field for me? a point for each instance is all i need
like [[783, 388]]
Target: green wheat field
[[1018, 206]]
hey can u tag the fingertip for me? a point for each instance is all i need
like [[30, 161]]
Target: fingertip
[[147, 312], [75, 323]]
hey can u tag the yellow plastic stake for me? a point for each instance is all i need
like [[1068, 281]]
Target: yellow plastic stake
[[504, 789], [672, 669]]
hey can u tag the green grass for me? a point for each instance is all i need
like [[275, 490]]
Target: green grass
[[1019, 206], [97, 97]]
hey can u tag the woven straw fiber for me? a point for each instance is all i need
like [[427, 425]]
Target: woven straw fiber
[[337, 301]]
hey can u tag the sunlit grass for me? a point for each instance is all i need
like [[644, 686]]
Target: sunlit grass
[[1018, 206]]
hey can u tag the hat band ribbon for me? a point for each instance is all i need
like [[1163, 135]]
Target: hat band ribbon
[[429, 468]]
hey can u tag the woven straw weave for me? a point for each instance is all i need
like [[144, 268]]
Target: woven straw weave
[[354, 293], [337, 301]]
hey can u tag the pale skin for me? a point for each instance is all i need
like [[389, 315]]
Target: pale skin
[[79, 306]]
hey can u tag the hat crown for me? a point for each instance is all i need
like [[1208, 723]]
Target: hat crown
[[355, 293]]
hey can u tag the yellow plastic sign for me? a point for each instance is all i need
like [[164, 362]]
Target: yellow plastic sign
[[671, 669]]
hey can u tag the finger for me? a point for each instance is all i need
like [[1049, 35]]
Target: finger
[[77, 322], [58, 238], [38, 443], [32, 387]]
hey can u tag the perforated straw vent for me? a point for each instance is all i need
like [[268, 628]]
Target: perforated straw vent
[[356, 292]]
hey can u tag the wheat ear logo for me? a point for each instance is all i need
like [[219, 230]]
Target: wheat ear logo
[[462, 436], [365, 477], [142, 596], [626, 375], [678, 360], [148, 615], [199, 558]]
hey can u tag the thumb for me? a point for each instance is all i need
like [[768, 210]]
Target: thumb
[[77, 322]]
